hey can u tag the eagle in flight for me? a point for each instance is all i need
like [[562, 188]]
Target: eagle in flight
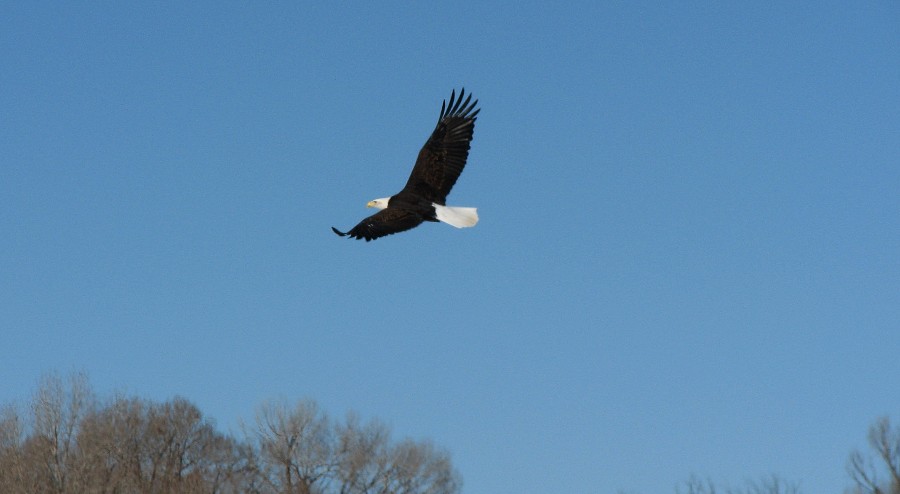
[[437, 168]]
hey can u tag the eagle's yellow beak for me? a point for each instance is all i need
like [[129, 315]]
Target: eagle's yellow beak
[[371, 204]]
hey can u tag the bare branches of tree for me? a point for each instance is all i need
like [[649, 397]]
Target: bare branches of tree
[[12, 463], [877, 472], [772, 484], [57, 409], [71, 442], [696, 485], [296, 446], [304, 452], [884, 440]]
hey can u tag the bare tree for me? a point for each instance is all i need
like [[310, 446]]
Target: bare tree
[[139, 446], [57, 410], [111, 442], [128, 446], [772, 484], [11, 428], [11, 461], [301, 452], [368, 463], [417, 467], [295, 444], [177, 437], [362, 455], [696, 485], [885, 442]]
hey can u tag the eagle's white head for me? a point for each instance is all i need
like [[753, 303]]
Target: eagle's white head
[[379, 203]]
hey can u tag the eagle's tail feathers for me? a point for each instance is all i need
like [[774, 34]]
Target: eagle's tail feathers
[[456, 216]]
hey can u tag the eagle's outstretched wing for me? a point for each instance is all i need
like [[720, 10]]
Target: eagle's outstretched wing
[[443, 156], [385, 222]]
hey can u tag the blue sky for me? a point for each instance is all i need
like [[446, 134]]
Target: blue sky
[[688, 259]]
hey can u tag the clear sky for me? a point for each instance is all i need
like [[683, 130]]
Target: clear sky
[[688, 259]]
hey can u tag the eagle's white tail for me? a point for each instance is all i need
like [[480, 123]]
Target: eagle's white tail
[[456, 216]]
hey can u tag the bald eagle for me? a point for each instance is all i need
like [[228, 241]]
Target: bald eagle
[[440, 162]]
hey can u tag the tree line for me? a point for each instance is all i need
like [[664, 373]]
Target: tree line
[[68, 441], [873, 472]]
